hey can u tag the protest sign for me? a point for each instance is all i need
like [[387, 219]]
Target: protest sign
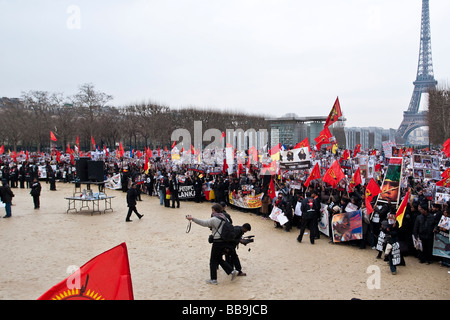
[[278, 216], [347, 226], [391, 183]]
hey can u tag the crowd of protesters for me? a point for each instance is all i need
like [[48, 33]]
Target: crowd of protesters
[[162, 178]]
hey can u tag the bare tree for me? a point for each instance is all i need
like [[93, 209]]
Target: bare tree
[[439, 115], [90, 103]]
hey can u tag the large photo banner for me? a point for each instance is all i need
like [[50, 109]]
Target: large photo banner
[[247, 201], [295, 159], [390, 189], [347, 226]]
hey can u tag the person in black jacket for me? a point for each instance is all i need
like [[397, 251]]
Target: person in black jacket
[[231, 255], [131, 202], [198, 189], [423, 230], [6, 196], [36, 192], [310, 208], [174, 187]]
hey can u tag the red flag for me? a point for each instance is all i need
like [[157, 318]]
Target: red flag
[[192, 150], [315, 174], [105, 277], [378, 167], [93, 142], [335, 113], [2, 149], [345, 154], [323, 138], [271, 190], [225, 165], [173, 144], [372, 190], [223, 136], [52, 136], [303, 144], [357, 150], [334, 174], [240, 167], [146, 164], [444, 182], [121, 151], [78, 142], [446, 148], [401, 210], [444, 175], [356, 180]]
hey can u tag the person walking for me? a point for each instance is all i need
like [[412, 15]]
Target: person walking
[[36, 192], [6, 196], [215, 223], [131, 202]]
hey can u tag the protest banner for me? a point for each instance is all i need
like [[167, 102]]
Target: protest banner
[[295, 159], [186, 192], [347, 226], [245, 201]]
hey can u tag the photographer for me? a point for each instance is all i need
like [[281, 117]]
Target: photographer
[[215, 223], [230, 252]]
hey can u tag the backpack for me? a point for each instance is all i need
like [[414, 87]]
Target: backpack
[[227, 234]]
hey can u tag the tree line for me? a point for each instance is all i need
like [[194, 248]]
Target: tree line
[[25, 123], [439, 115]]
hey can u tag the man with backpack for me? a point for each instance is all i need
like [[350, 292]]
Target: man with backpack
[[310, 208], [221, 230]]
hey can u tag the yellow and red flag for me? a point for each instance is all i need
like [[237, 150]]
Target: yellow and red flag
[[334, 174], [315, 174], [323, 138], [401, 210], [335, 113]]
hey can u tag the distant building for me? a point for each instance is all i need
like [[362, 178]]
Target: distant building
[[368, 137], [291, 129]]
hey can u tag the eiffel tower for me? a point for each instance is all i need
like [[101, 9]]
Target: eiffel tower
[[413, 118]]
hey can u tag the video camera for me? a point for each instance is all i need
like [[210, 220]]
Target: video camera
[[247, 240]]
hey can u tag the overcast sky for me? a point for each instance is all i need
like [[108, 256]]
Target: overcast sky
[[259, 56]]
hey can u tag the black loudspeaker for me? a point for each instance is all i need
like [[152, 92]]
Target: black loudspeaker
[[95, 171], [82, 168]]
